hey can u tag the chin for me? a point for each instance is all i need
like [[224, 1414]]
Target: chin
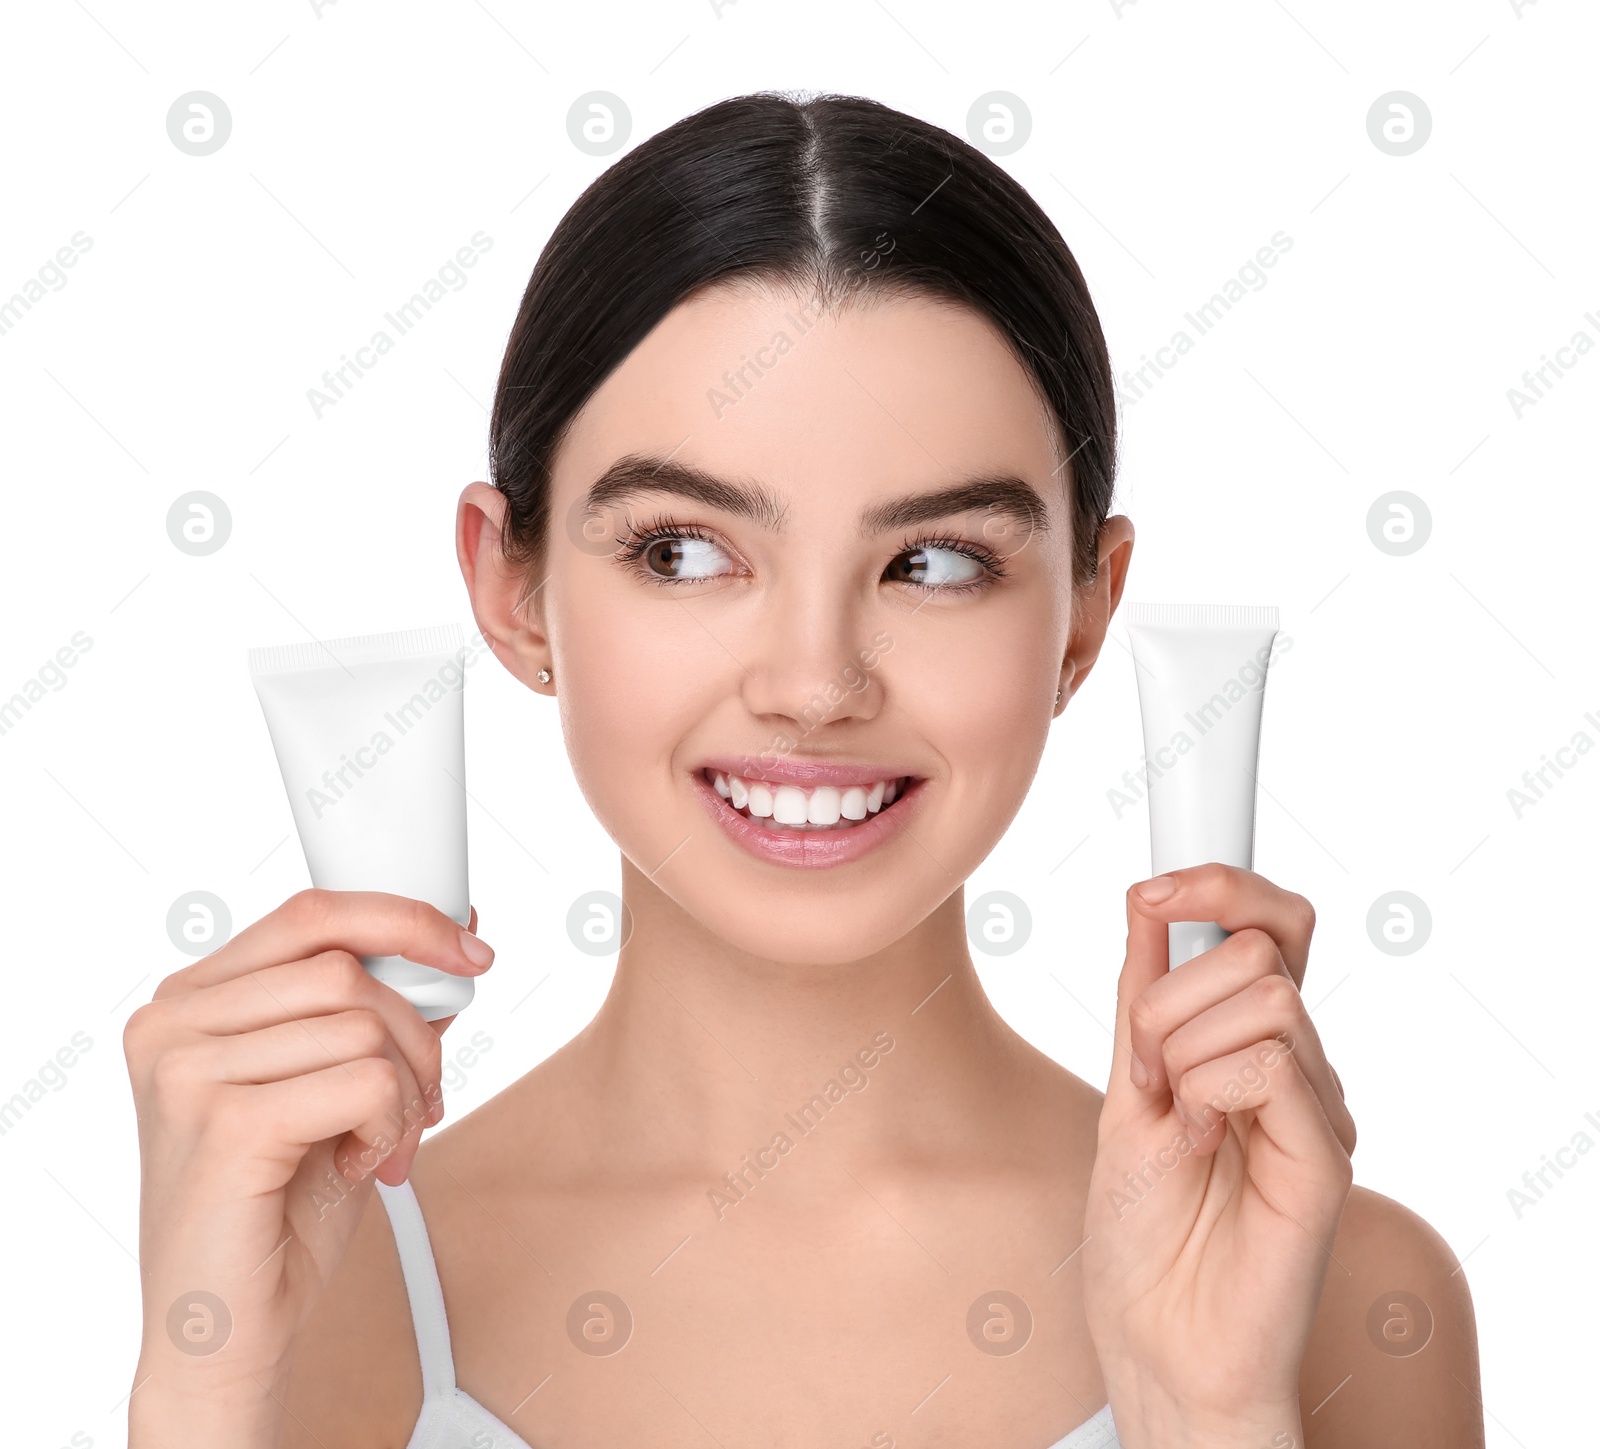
[[813, 928]]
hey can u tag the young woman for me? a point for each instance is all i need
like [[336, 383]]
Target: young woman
[[803, 459]]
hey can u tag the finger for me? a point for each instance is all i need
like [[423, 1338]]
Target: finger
[[403, 1129], [344, 1038], [1269, 1008], [1235, 898], [374, 1102], [365, 923], [1129, 1090], [1293, 1153], [363, 1103], [385, 1141], [1195, 985], [294, 1048], [301, 991]]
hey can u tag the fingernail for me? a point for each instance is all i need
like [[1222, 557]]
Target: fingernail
[[476, 950], [1136, 1069], [1153, 892], [1177, 1107]]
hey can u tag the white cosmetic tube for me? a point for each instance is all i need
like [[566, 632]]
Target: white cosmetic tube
[[1202, 671], [369, 737]]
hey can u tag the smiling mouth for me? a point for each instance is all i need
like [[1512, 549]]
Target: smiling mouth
[[793, 809]]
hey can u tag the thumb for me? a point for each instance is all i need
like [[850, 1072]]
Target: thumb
[[1128, 1092]]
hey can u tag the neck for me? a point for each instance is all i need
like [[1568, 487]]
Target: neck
[[702, 1052]]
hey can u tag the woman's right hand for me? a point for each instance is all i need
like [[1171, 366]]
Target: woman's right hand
[[274, 1081]]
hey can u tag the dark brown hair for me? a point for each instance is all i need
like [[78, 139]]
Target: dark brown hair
[[798, 191]]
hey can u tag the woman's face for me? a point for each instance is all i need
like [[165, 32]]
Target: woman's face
[[806, 597]]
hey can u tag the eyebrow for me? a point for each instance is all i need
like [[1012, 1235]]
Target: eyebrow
[[637, 473], [1001, 495]]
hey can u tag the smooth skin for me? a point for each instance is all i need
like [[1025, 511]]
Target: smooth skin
[[1224, 1295]]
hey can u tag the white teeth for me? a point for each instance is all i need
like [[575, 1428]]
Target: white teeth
[[789, 805], [823, 807]]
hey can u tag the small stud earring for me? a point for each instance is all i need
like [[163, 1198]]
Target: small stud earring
[[543, 677], [1058, 695]]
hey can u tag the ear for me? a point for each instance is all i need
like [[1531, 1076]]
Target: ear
[[505, 602], [1093, 605]]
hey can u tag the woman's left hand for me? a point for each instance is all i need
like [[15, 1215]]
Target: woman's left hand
[[1221, 1171]]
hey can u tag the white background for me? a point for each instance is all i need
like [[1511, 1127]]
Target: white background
[[1168, 142]]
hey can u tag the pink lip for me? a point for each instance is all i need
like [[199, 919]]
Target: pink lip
[[811, 849], [808, 774]]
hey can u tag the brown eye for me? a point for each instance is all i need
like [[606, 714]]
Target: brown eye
[[662, 558], [680, 557], [933, 567]]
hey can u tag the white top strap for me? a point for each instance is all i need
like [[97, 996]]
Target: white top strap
[[422, 1288], [1096, 1433]]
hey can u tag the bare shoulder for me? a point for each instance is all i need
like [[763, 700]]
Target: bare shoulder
[[1393, 1355], [1052, 1114], [355, 1379]]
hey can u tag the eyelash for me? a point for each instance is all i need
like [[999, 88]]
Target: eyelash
[[641, 538], [992, 564]]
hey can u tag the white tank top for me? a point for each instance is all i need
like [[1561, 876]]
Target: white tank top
[[452, 1418]]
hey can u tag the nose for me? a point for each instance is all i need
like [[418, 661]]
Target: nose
[[813, 662]]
